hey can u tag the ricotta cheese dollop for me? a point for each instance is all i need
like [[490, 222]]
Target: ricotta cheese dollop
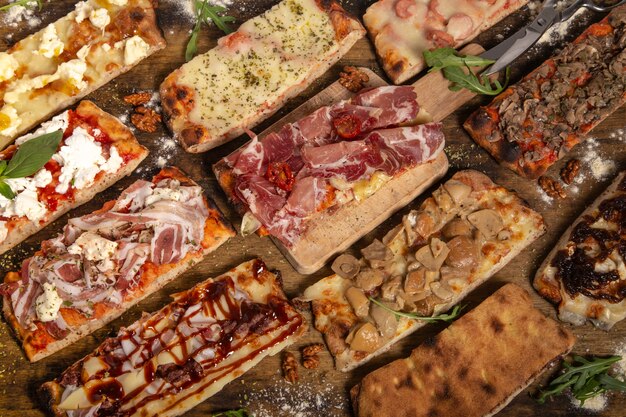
[[93, 247], [135, 49], [8, 65], [51, 45], [9, 120], [47, 305]]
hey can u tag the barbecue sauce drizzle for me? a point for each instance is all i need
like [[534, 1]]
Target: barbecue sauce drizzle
[[577, 271], [249, 320]]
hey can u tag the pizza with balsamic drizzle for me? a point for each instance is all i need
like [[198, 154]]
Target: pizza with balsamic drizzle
[[105, 262], [585, 274], [534, 123], [68, 59], [169, 361]]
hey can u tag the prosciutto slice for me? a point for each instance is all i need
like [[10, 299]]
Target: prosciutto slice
[[157, 223], [346, 142]]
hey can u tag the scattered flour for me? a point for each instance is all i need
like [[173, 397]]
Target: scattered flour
[[295, 400], [596, 404], [620, 367], [556, 33], [187, 8], [599, 166], [17, 14]]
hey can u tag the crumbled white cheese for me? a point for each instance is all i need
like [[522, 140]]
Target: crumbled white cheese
[[135, 49], [82, 10], [48, 304], [59, 122], [93, 247], [27, 204], [73, 72], [119, 2], [163, 193], [81, 159], [3, 231], [50, 45], [8, 65], [100, 18], [42, 178], [106, 47], [114, 162], [83, 52], [8, 128]]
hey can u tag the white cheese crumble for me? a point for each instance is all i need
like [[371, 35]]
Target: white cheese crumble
[[73, 72], [119, 2], [59, 122], [3, 231], [9, 112], [135, 49], [93, 247], [82, 10], [81, 159], [26, 202], [48, 304], [99, 18], [50, 45], [8, 65], [163, 194]]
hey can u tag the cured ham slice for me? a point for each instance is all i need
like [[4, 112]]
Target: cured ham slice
[[106, 261], [316, 162]]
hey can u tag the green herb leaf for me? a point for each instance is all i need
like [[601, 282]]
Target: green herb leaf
[[6, 191], [233, 413], [32, 155], [457, 68], [206, 13], [586, 378], [3, 166], [29, 4], [448, 317]]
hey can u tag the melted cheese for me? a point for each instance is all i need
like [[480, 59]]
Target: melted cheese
[[256, 65]]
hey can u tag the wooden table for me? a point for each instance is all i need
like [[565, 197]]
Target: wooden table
[[321, 392]]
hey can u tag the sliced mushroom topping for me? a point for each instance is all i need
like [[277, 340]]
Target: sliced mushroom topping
[[385, 321], [409, 221], [415, 281], [359, 302], [454, 276], [377, 251], [390, 289], [487, 221], [424, 224], [393, 234], [365, 339], [346, 266], [413, 266], [504, 234], [464, 253], [426, 306], [441, 291], [458, 190], [443, 199], [431, 276], [437, 246], [369, 279], [456, 227], [336, 336], [426, 257]]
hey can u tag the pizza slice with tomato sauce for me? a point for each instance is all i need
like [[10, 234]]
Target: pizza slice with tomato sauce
[[96, 151], [402, 30], [105, 262], [169, 361], [336, 158], [534, 123], [55, 67]]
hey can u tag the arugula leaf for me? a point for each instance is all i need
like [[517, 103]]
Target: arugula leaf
[[32, 155], [586, 378], [3, 166], [24, 3], [233, 413], [430, 319], [206, 14], [457, 68]]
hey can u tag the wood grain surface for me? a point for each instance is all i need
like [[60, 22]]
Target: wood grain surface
[[324, 391]]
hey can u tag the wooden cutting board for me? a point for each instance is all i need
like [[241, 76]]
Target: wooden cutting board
[[333, 232]]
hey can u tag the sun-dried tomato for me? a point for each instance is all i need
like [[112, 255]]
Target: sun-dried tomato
[[348, 126], [280, 174]]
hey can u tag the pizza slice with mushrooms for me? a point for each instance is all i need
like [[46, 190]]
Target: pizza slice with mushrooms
[[169, 361], [457, 239], [585, 274]]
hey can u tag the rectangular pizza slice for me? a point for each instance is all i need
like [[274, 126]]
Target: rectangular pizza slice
[[585, 273], [169, 361], [458, 238], [535, 122], [318, 184], [474, 368], [68, 59], [107, 261], [251, 73], [402, 30], [96, 151]]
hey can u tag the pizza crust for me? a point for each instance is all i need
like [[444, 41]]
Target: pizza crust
[[222, 231]]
